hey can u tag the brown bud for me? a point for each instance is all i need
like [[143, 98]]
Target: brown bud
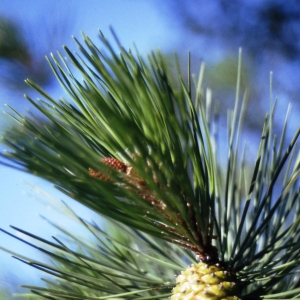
[[112, 162], [115, 163], [133, 179]]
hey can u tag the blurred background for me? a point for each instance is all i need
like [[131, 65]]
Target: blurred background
[[268, 32]]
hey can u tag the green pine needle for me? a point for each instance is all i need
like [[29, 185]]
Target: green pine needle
[[124, 263]]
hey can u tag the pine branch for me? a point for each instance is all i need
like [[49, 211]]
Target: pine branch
[[140, 148]]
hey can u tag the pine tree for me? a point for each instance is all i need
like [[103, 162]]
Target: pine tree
[[141, 147]]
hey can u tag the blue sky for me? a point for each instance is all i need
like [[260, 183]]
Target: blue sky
[[138, 22]]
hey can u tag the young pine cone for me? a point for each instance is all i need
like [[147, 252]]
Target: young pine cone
[[112, 162], [132, 179]]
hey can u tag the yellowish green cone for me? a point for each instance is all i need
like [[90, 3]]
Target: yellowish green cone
[[202, 282]]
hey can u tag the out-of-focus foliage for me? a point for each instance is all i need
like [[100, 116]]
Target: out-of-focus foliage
[[12, 43], [259, 26], [16, 58], [22, 51], [4, 293]]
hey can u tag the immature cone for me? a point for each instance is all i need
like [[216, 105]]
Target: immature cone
[[205, 282], [132, 178], [112, 162]]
